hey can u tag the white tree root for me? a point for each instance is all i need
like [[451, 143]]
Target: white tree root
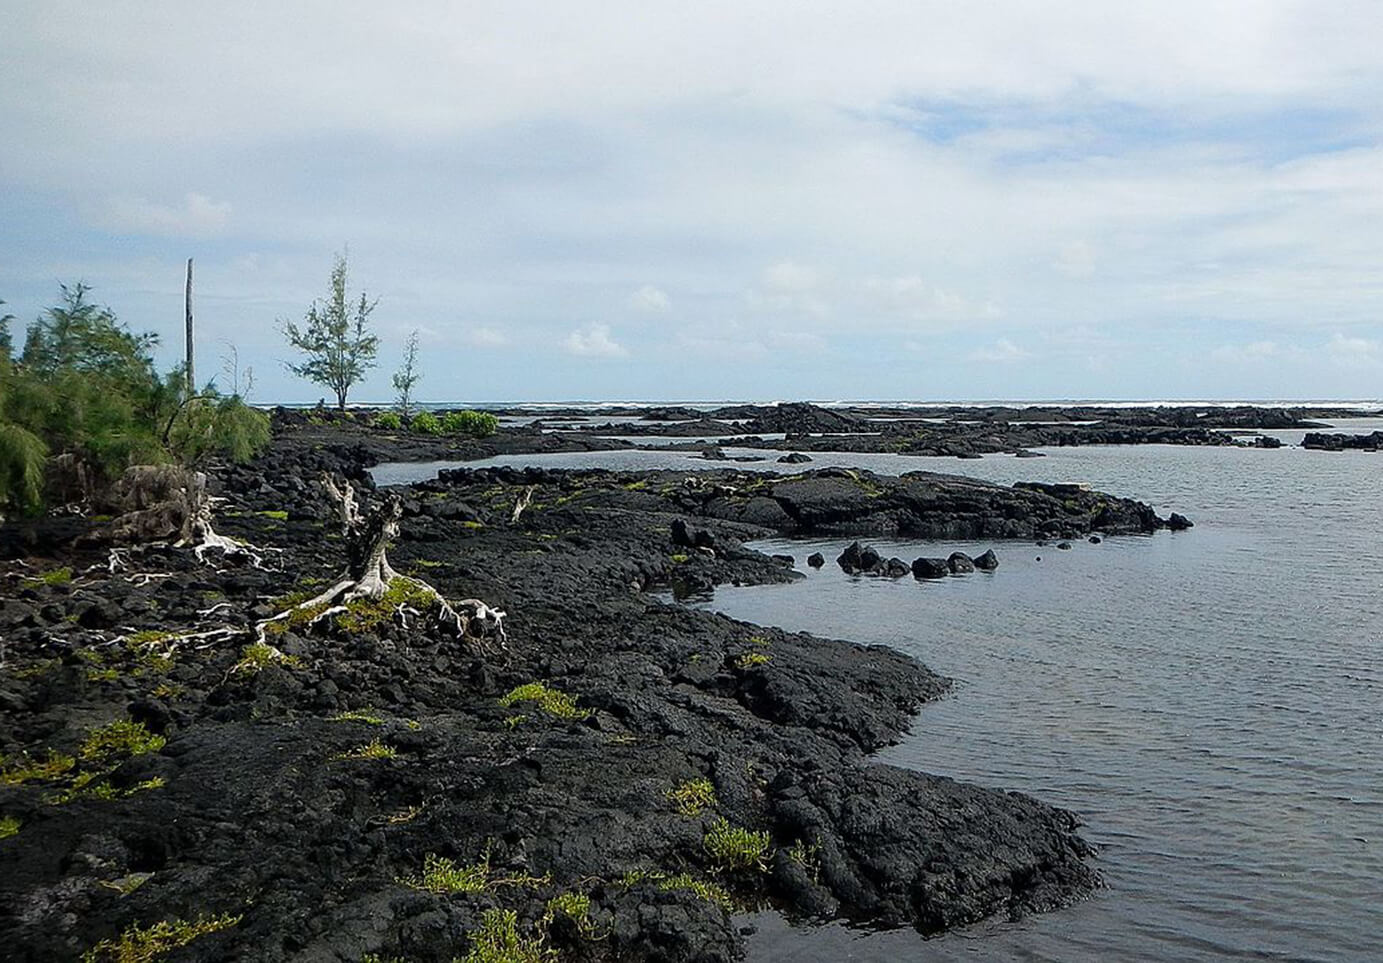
[[369, 576]]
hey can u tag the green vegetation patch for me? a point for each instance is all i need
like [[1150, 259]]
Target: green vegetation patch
[[576, 907], [120, 739], [9, 826], [552, 701], [369, 615], [388, 420], [277, 516], [258, 656], [476, 424], [734, 847], [693, 796], [18, 772], [751, 659], [442, 875], [54, 576], [425, 423], [702, 888], [141, 944], [367, 716], [498, 941], [374, 749]]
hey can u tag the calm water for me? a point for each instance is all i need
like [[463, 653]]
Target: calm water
[[1210, 702]]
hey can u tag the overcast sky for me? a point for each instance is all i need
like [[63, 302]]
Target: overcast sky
[[720, 200]]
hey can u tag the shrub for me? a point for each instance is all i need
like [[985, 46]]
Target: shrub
[[425, 423], [476, 424], [389, 420]]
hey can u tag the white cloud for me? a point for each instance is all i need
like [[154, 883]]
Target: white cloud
[[1076, 260], [1254, 352], [913, 299], [650, 300], [1002, 351], [1352, 352], [486, 337], [594, 341], [789, 277], [197, 216]]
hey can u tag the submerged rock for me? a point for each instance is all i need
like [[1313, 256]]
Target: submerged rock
[[959, 563], [930, 568]]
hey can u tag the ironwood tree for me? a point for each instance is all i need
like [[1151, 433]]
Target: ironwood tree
[[335, 338]]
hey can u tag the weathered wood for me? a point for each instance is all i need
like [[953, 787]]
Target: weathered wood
[[187, 305], [369, 575]]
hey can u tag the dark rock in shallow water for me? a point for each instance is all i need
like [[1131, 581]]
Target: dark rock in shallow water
[[1179, 523], [816, 560], [1336, 442], [857, 560], [896, 568], [959, 563], [787, 560], [930, 568], [987, 562], [1064, 546], [1095, 540], [795, 458]]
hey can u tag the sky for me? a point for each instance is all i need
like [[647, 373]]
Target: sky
[[720, 200]]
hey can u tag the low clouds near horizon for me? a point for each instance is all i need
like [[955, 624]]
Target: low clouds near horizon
[[895, 200]]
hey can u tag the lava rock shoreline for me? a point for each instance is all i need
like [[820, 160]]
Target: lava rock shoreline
[[260, 806]]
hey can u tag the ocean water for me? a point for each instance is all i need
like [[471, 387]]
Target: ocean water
[[1210, 702]]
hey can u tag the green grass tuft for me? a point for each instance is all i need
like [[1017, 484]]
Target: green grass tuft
[[706, 890], [733, 847], [693, 796], [552, 701], [119, 739], [576, 907], [368, 716], [142, 944], [442, 875], [20, 772], [54, 576], [498, 941], [258, 656], [9, 825], [374, 749], [751, 659]]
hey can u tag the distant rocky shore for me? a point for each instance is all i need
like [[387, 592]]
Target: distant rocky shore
[[625, 779]]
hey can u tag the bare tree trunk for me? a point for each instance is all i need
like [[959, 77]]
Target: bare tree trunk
[[369, 575], [168, 502], [187, 304]]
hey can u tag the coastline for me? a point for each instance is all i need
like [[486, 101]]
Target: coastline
[[258, 815]]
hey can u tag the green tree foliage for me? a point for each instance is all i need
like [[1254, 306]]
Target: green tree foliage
[[335, 338], [6, 339], [408, 375], [85, 386]]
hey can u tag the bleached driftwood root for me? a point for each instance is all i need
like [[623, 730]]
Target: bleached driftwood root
[[369, 576], [161, 502], [521, 505]]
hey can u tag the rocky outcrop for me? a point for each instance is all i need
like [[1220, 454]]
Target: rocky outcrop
[[1335, 442]]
